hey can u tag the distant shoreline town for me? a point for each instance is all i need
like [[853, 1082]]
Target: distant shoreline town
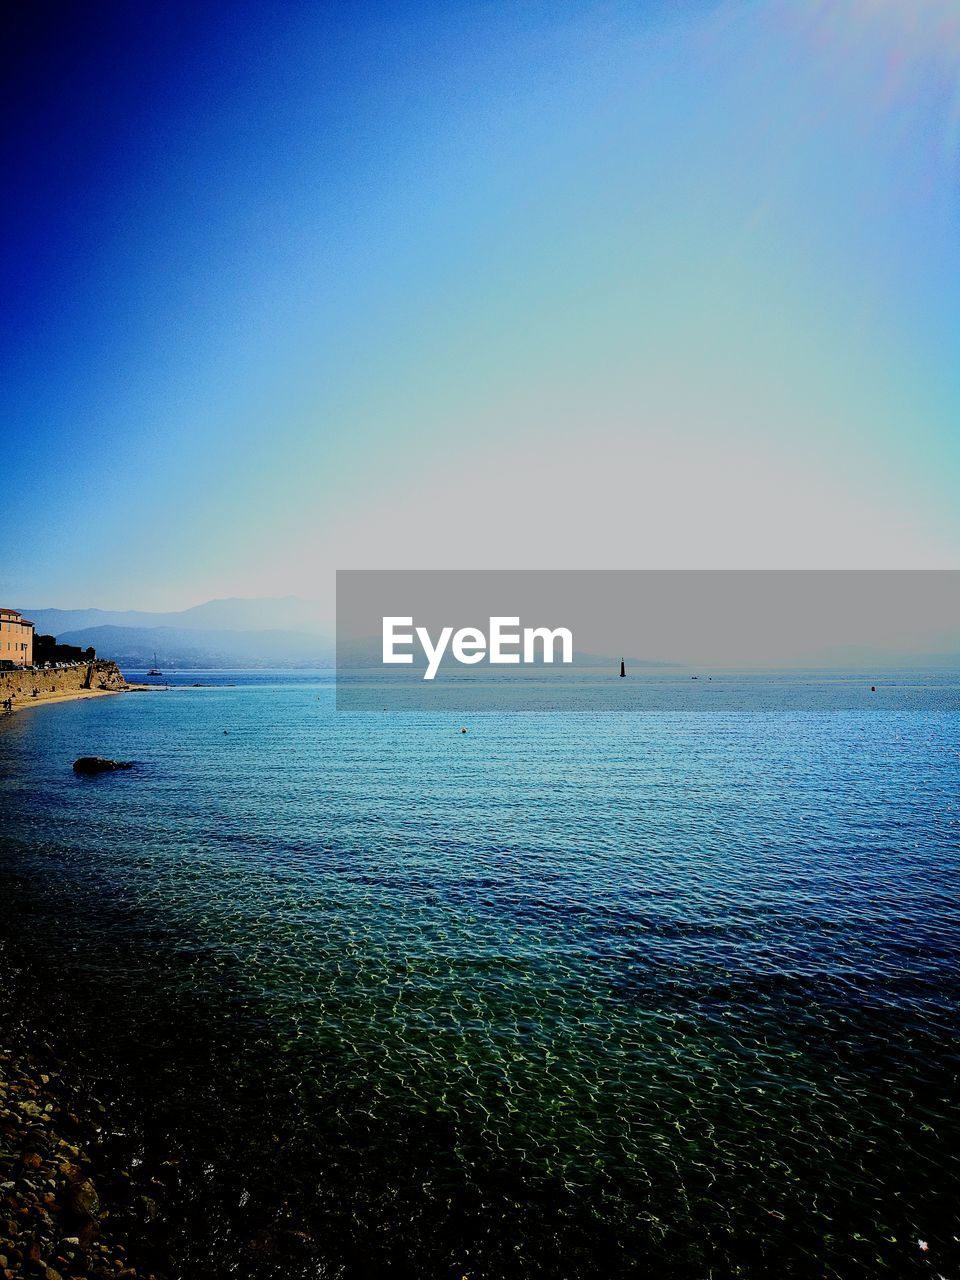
[[36, 669], [22, 649]]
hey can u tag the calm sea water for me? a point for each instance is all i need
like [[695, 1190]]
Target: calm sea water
[[642, 994]]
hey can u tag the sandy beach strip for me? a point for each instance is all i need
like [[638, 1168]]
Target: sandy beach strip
[[74, 695]]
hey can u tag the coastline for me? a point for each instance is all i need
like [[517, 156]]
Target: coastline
[[75, 695], [34, 687]]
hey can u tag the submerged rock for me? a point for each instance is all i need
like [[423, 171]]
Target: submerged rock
[[98, 764]]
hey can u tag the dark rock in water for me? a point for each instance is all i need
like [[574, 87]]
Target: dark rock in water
[[97, 764]]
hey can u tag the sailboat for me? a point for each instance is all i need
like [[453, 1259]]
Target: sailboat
[[154, 670]]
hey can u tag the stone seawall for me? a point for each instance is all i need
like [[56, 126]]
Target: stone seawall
[[20, 685]]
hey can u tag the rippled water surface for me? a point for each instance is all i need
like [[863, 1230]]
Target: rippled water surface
[[653, 994]]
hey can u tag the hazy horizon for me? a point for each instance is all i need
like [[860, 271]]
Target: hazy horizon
[[713, 620]]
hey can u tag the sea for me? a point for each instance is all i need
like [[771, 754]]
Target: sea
[[666, 993]]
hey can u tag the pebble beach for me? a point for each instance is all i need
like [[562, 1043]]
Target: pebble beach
[[70, 1205]]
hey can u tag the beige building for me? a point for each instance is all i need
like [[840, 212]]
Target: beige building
[[16, 639]]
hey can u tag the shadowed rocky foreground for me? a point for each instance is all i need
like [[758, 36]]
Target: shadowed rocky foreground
[[68, 1205], [94, 1184]]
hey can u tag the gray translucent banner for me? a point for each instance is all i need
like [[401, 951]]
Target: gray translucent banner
[[646, 640]]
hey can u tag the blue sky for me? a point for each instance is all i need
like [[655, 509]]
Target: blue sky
[[292, 287]]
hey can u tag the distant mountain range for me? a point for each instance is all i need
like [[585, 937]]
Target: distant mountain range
[[221, 634], [283, 613]]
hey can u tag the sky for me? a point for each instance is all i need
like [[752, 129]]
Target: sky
[[292, 287]]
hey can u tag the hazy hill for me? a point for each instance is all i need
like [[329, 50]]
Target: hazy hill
[[287, 613], [183, 648]]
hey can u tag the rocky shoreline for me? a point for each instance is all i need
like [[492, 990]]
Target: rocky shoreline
[[142, 1164], [70, 1205], [36, 688]]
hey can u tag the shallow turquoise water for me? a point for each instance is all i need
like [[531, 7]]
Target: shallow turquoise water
[[658, 993]]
